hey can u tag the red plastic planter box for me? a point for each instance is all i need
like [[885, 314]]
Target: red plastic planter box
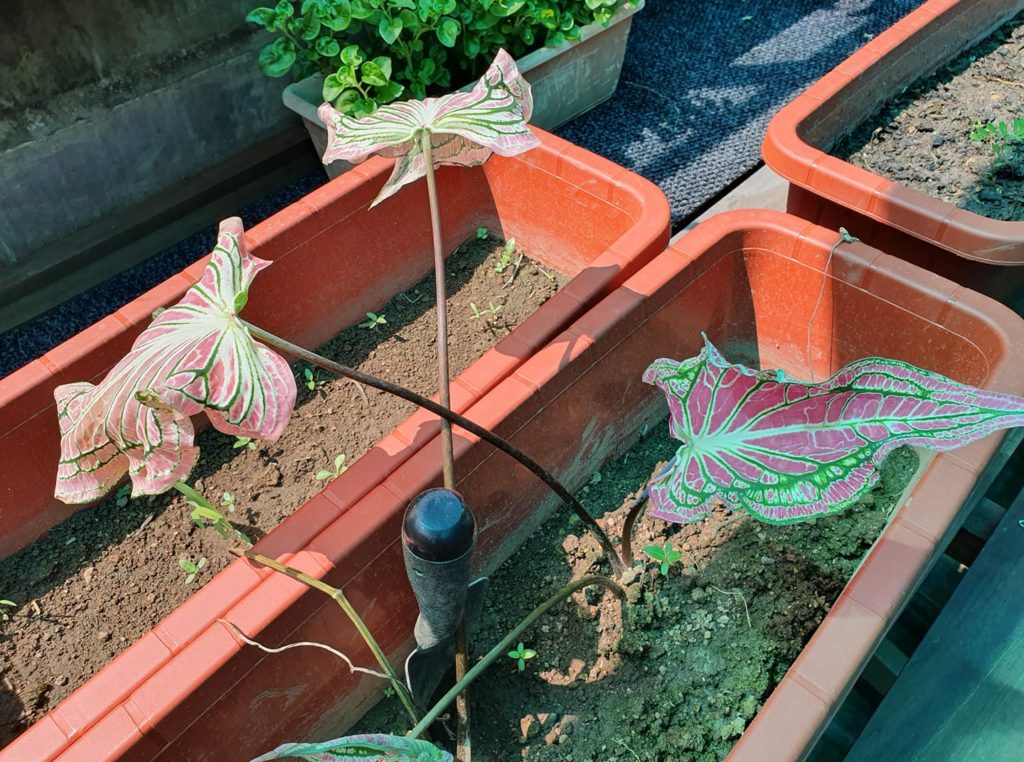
[[826, 189], [750, 280], [335, 259]]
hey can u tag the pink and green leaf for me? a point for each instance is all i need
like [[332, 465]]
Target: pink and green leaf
[[787, 451], [465, 128], [361, 748], [195, 356]]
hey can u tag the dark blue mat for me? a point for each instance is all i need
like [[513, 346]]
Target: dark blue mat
[[28, 341], [702, 79]]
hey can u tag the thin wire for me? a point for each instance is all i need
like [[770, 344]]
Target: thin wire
[[844, 237], [303, 643]]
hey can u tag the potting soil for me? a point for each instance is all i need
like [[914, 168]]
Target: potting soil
[[677, 672], [99, 581], [922, 138]]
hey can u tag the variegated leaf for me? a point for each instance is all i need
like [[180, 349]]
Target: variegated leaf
[[360, 749], [465, 128], [195, 356], [787, 451]]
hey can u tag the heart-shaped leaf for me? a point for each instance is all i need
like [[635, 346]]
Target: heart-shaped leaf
[[787, 451], [465, 128], [195, 356], [277, 58], [389, 29], [448, 32], [361, 748]]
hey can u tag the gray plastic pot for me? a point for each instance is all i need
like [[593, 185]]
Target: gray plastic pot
[[567, 81]]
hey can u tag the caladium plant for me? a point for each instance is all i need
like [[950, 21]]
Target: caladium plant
[[464, 128], [461, 129], [361, 748], [195, 356], [786, 451]]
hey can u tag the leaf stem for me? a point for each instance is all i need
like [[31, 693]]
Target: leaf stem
[[339, 597], [463, 738], [634, 513], [439, 410], [444, 379], [504, 643]]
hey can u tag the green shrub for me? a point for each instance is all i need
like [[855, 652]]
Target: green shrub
[[372, 52]]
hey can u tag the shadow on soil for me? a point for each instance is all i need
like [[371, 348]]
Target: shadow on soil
[[699, 650]]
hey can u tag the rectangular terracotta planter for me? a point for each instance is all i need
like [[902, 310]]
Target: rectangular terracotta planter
[[887, 214], [566, 81], [750, 280], [570, 209], [335, 259]]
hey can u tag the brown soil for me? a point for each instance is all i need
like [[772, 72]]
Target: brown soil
[[678, 672], [100, 580], [922, 138]]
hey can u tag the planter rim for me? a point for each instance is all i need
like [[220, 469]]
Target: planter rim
[[962, 232], [104, 713], [296, 95]]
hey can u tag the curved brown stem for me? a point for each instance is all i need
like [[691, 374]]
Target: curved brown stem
[[627, 526], [450, 415]]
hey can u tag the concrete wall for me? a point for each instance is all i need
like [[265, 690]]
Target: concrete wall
[[106, 103]]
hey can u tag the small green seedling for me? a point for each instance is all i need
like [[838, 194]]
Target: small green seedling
[[124, 494], [505, 259], [247, 442], [373, 320], [480, 313], [4, 605], [310, 380], [191, 568], [546, 274], [521, 655], [481, 234], [204, 514], [1000, 135], [667, 555], [333, 473]]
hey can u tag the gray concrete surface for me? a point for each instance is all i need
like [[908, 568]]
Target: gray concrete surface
[[106, 104]]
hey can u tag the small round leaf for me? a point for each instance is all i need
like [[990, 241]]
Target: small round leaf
[[351, 55], [327, 47], [265, 17], [277, 58], [389, 29], [372, 74], [448, 32]]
